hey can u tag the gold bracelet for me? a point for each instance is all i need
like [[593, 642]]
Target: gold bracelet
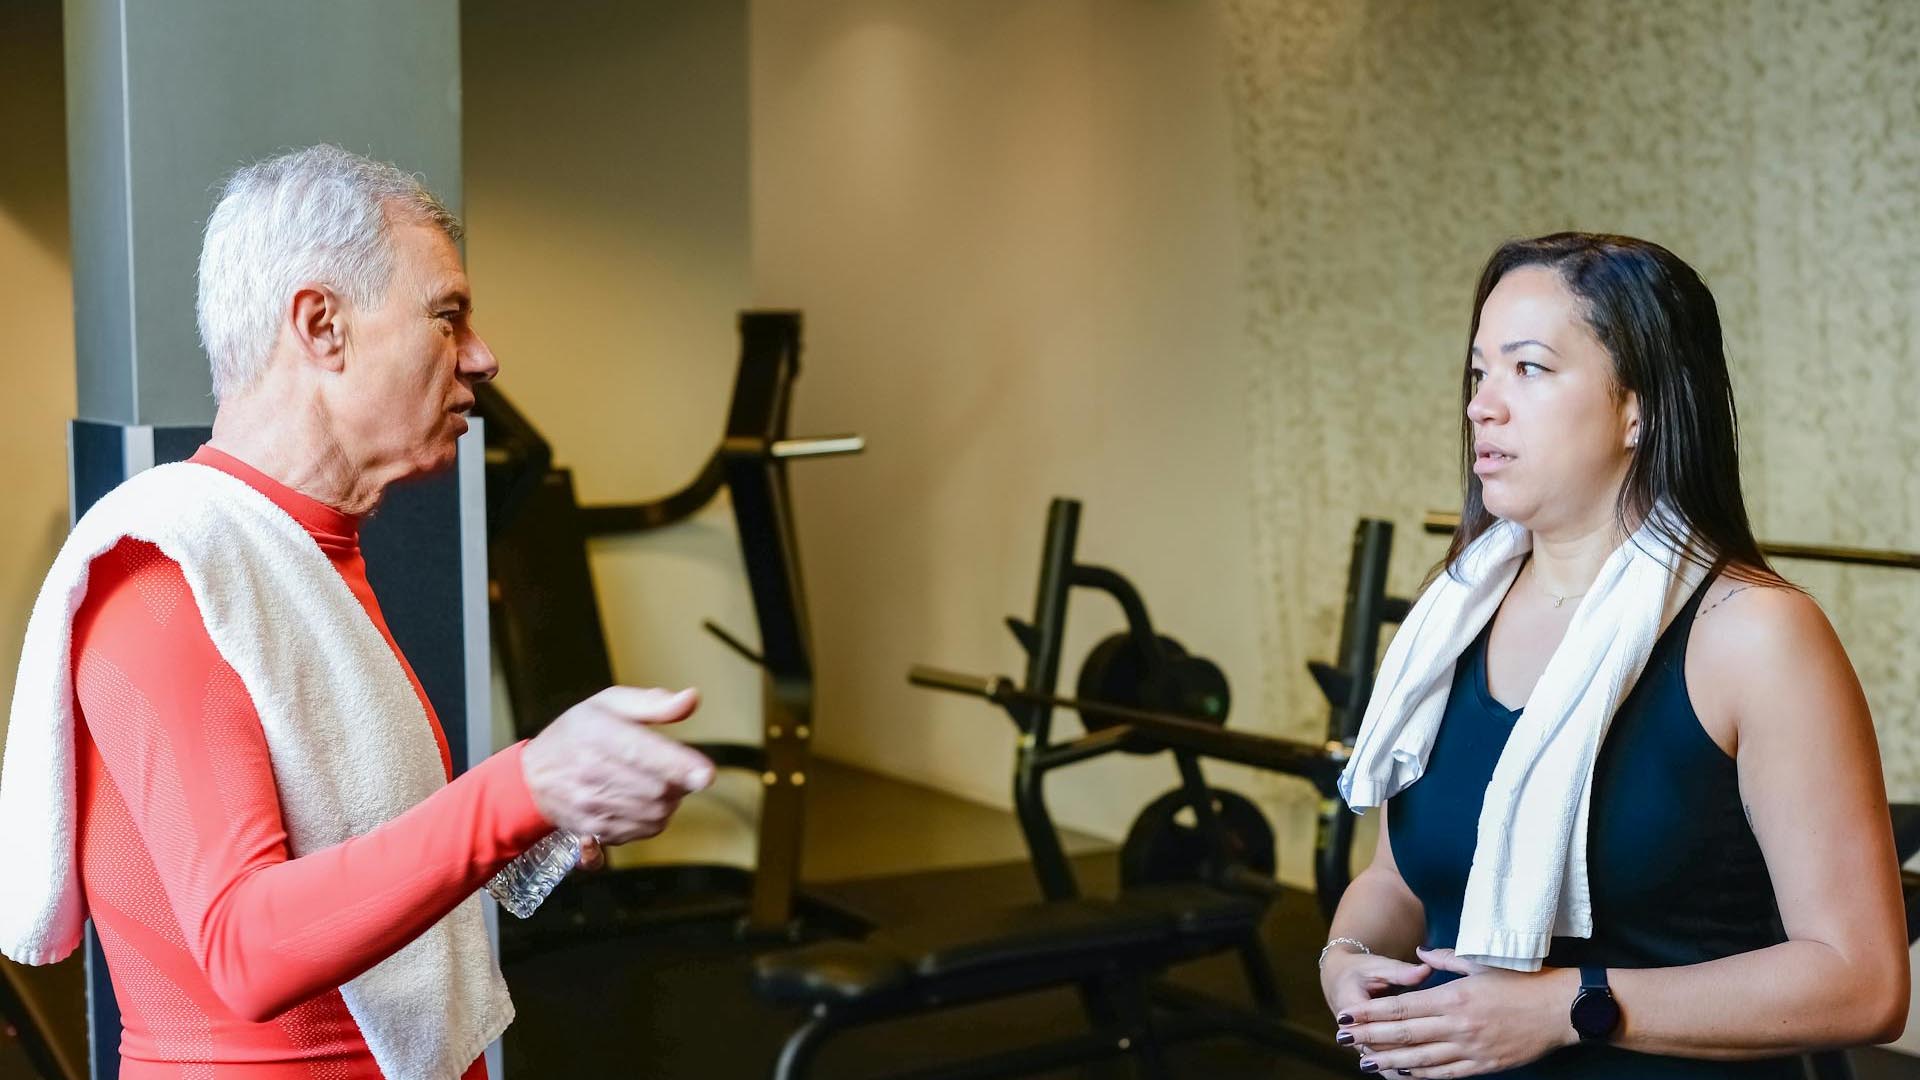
[[1361, 945]]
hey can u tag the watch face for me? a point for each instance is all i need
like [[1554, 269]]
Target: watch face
[[1595, 1014]]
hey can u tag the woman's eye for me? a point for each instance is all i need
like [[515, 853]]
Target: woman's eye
[[1528, 368]]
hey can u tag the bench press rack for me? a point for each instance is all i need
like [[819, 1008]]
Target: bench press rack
[[1112, 950]]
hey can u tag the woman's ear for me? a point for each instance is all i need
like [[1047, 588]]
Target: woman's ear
[[1633, 420]]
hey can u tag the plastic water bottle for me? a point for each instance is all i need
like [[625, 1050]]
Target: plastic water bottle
[[525, 882]]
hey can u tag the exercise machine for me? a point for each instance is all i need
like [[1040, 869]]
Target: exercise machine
[[553, 650], [1187, 891]]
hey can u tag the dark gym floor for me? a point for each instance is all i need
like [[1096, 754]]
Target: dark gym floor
[[677, 1003]]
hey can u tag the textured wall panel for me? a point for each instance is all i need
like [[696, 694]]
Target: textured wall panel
[[1386, 147]]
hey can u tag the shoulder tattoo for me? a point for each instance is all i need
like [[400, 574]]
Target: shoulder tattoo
[[1735, 591]]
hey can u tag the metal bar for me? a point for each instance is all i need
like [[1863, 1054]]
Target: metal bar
[[1332, 853], [801, 1047], [770, 552], [955, 682], [818, 446], [1446, 521], [1050, 864], [1087, 746], [614, 518], [1320, 764], [1360, 625], [1205, 817], [1897, 560], [734, 643], [786, 721], [1130, 601], [747, 757]]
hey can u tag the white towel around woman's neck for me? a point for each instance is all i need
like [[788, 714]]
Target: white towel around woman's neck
[[350, 745], [1528, 883]]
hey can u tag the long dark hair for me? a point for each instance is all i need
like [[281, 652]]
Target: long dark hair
[[1658, 322]]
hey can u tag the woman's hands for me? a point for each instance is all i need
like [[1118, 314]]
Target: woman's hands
[[1351, 979], [1489, 1021]]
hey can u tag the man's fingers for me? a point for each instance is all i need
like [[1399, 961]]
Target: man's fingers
[[691, 770], [673, 764], [628, 832], [602, 768], [647, 705]]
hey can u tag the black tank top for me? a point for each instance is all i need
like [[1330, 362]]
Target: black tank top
[[1675, 873]]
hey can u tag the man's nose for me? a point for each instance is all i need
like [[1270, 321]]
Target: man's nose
[[477, 361]]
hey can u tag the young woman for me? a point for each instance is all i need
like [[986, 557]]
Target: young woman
[[1697, 812]]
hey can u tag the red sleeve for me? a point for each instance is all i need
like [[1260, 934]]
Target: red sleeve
[[183, 744]]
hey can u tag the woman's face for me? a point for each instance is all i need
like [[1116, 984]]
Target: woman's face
[[1552, 437]]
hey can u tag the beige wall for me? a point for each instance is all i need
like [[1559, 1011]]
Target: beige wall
[[36, 314], [1012, 227], [606, 186]]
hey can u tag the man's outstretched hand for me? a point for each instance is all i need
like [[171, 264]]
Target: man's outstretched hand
[[601, 772]]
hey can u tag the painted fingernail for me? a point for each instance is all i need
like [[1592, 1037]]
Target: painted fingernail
[[1369, 1065], [1345, 1038], [1345, 1018]]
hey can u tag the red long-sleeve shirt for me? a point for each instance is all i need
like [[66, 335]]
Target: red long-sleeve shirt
[[226, 954]]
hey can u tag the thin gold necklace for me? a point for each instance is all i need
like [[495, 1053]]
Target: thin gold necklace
[[1558, 600]]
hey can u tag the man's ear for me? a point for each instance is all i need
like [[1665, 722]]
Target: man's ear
[[318, 324]]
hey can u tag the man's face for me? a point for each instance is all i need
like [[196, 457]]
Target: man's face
[[412, 361]]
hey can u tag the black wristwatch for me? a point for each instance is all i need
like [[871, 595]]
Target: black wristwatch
[[1595, 1016]]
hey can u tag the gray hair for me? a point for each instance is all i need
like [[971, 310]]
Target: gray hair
[[316, 215]]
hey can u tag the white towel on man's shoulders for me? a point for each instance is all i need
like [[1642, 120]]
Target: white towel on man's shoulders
[[350, 745], [1528, 883]]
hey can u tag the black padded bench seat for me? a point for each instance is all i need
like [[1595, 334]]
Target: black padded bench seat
[[831, 972], [1200, 911], [1031, 945], [1047, 938]]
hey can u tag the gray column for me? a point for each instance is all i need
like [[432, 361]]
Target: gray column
[[164, 100]]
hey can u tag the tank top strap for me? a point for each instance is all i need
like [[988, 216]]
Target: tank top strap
[[1680, 632]]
